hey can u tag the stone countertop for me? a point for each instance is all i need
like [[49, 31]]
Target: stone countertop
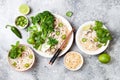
[[107, 11]]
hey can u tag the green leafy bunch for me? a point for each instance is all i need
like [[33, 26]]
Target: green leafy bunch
[[103, 34], [16, 50], [43, 25]]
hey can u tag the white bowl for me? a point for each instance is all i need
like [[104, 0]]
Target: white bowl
[[26, 68], [79, 66], [19, 25], [77, 37], [69, 43]]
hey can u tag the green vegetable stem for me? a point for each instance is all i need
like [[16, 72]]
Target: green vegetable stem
[[15, 31]]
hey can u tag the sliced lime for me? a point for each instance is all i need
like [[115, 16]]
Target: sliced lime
[[87, 27], [24, 9]]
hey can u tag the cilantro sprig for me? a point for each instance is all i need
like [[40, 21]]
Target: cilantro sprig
[[103, 34], [43, 25], [52, 41], [16, 50]]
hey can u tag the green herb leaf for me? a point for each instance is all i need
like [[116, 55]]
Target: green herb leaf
[[52, 41], [43, 25], [16, 50], [103, 34], [98, 23]]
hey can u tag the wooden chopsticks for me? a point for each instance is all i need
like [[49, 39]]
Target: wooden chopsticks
[[61, 48]]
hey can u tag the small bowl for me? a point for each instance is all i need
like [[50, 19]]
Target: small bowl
[[79, 65], [24, 68], [22, 27], [77, 38]]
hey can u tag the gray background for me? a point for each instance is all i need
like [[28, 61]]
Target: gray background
[[107, 11]]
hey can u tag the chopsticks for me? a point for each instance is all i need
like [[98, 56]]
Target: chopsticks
[[61, 48]]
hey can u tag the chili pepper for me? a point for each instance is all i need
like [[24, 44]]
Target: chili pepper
[[15, 31]]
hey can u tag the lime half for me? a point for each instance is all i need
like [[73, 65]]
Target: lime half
[[24, 9], [104, 58]]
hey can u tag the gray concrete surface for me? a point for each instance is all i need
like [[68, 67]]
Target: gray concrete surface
[[107, 11]]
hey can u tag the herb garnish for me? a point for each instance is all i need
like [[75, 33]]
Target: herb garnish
[[43, 25], [103, 34], [52, 41], [16, 50]]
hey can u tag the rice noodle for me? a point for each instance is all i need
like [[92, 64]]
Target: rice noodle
[[90, 35]]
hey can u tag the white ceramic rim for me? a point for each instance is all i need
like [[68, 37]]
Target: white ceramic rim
[[68, 45], [26, 68], [100, 50], [25, 25], [79, 65]]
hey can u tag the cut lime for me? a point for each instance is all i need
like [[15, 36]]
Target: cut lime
[[104, 58], [24, 9], [87, 27]]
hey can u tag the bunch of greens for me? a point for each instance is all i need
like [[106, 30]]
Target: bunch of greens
[[43, 25], [103, 35], [52, 41], [16, 50]]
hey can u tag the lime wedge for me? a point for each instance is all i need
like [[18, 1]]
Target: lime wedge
[[87, 27], [24, 9]]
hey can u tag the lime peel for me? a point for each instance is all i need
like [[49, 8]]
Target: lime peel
[[104, 58]]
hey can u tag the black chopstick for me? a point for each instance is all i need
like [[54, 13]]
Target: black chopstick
[[61, 48], [55, 56]]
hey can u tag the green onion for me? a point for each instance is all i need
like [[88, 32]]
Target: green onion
[[63, 36], [31, 56], [84, 39], [57, 33], [95, 39], [69, 13], [14, 64], [60, 24], [27, 65]]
